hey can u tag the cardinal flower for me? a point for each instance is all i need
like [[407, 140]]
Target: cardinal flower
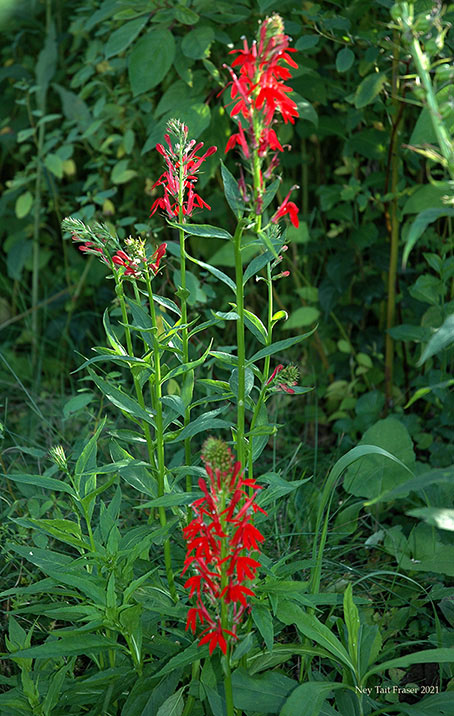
[[182, 166], [219, 542]]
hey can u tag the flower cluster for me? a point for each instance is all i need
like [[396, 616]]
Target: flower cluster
[[284, 378], [180, 177], [220, 540], [259, 94], [100, 242]]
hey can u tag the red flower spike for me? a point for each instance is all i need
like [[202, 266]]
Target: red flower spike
[[180, 177], [218, 542]]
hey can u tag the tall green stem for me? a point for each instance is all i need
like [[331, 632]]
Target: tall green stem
[[156, 387], [138, 389], [241, 353], [266, 370]]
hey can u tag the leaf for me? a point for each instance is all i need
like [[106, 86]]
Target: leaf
[[428, 196], [352, 621], [196, 43], [121, 400], [216, 272], [270, 193], [440, 517], [369, 88], [173, 706], [302, 317], [87, 457], [46, 65], [120, 39], [440, 656], [279, 346], [263, 620], [257, 264], [418, 227], [24, 203], [436, 705], [205, 422], [441, 339], [54, 164], [74, 107], [185, 367], [437, 476], [120, 173], [305, 109], [263, 694], [47, 483], [192, 653], [150, 60], [372, 475], [248, 381], [308, 699], [173, 500], [232, 191], [290, 613], [344, 59], [203, 230], [69, 645]]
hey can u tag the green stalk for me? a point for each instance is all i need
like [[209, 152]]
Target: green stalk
[[156, 387], [224, 609], [36, 247], [140, 399], [266, 369], [241, 351]]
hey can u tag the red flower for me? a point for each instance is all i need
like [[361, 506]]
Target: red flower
[[287, 207], [218, 541], [182, 164]]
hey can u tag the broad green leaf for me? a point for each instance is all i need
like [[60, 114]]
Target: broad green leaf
[[263, 620], [441, 339], [264, 694], [248, 381], [270, 193], [369, 88], [47, 483], [118, 398], [279, 346], [120, 39], [440, 517], [231, 190], [173, 705], [64, 530], [54, 164], [150, 60], [438, 476], [257, 264], [372, 475], [344, 59], [77, 403], [138, 477], [305, 109], [290, 613], [279, 655], [173, 500], [192, 653], [47, 560], [87, 458], [24, 203], [185, 367], [422, 551], [196, 43], [120, 173], [436, 705], [255, 325], [428, 196], [308, 699], [302, 317]]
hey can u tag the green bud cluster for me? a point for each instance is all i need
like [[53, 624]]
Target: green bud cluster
[[217, 455]]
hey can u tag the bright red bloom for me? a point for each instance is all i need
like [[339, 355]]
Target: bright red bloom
[[180, 177], [287, 207], [218, 541]]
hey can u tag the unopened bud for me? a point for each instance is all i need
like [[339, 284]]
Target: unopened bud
[[217, 455]]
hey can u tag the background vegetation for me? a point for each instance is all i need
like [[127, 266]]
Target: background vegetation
[[87, 89]]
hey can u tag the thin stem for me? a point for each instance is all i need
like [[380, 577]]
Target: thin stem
[[241, 351], [156, 387], [266, 370], [138, 389]]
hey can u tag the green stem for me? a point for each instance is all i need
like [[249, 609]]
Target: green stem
[[138, 389], [266, 370], [189, 376], [156, 386], [241, 351]]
